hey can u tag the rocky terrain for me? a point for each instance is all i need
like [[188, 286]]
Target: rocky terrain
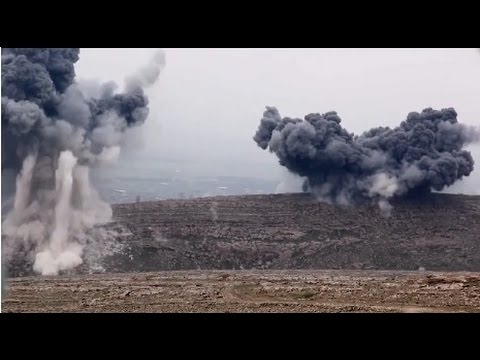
[[248, 291], [291, 231], [265, 253]]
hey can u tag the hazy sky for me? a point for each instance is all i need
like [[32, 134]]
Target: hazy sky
[[208, 102]]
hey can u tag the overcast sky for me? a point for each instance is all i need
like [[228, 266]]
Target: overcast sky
[[208, 102]]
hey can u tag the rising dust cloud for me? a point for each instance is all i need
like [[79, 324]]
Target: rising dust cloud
[[54, 130]]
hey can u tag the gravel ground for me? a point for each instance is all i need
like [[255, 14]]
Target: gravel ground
[[248, 291]]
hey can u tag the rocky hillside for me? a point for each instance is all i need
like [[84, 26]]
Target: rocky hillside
[[290, 231]]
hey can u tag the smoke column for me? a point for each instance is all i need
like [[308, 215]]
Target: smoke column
[[54, 130], [423, 153]]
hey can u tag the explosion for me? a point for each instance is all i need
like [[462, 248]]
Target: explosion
[[54, 130], [425, 152]]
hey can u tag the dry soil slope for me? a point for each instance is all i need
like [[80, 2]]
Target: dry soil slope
[[293, 231]]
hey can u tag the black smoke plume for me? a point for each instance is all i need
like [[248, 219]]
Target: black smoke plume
[[53, 131], [425, 152]]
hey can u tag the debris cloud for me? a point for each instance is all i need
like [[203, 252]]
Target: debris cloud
[[425, 152], [54, 131]]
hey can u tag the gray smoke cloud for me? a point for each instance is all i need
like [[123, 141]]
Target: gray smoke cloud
[[424, 152], [54, 130]]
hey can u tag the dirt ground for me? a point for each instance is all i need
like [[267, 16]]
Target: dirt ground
[[248, 291]]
